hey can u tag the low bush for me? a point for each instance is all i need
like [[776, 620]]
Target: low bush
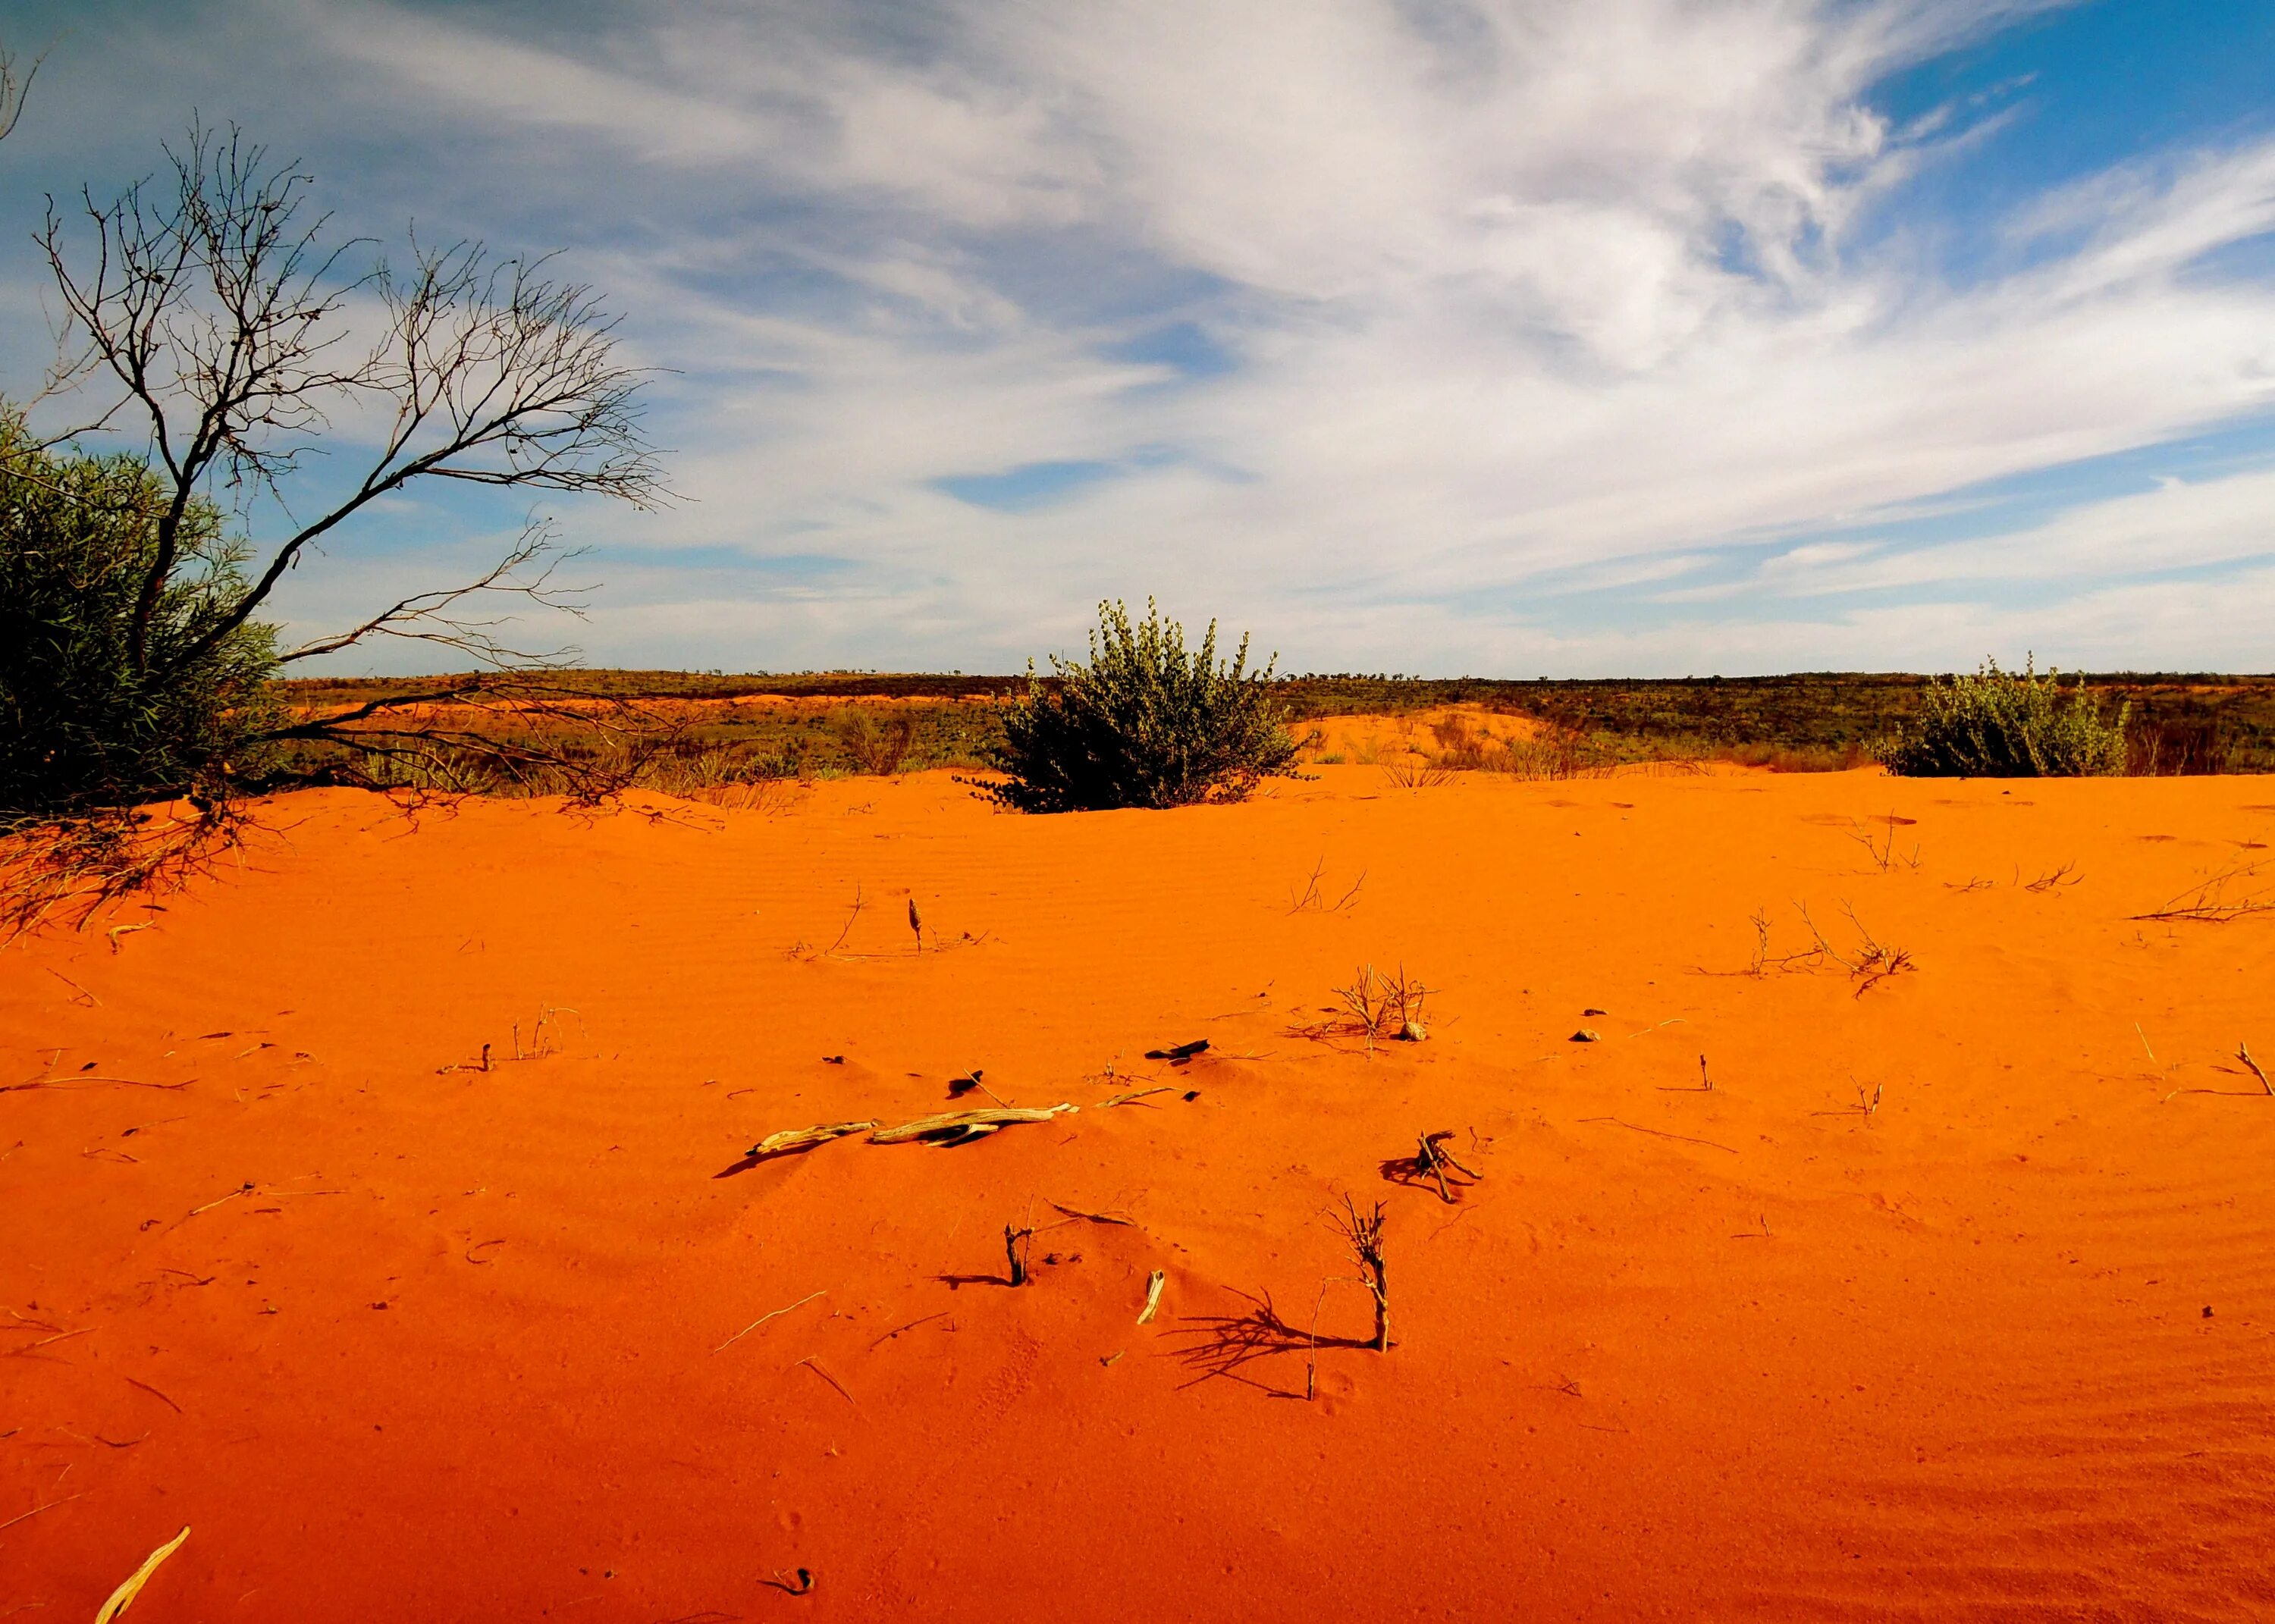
[[1142, 723], [85, 724], [879, 746], [2007, 724]]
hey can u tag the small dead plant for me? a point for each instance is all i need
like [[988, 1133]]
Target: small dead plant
[[1312, 900], [1869, 962], [544, 1033], [1882, 848], [2220, 897], [1375, 1004], [1867, 1105], [1362, 1233], [2052, 879]]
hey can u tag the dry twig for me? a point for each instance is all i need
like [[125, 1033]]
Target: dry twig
[[1097, 1218], [804, 1138], [961, 1127], [2210, 900], [762, 1319], [814, 1364], [2243, 1054]]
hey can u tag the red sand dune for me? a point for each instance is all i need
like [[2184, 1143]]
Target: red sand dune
[[398, 1341]]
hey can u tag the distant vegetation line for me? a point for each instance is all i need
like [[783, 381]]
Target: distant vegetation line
[[2193, 722]]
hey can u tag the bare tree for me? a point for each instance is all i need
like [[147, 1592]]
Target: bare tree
[[15, 84], [235, 340]]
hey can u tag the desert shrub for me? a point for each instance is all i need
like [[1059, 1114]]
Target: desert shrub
[[2007, 724], [83, 723], [1141, 724], [877, 746]]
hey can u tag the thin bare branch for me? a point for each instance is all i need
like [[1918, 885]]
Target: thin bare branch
[[210, 298], [15, 84], [525, 572]]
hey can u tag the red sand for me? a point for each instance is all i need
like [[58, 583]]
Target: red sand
[[2004, 1348]]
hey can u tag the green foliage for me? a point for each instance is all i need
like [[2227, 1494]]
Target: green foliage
[[81, 727], [2007, 724], [1142, 723]]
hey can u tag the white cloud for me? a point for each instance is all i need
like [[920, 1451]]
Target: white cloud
[[1512, 287]]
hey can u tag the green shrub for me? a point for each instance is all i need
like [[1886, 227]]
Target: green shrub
[[2007, 724], [1141, 724], [83, 725]]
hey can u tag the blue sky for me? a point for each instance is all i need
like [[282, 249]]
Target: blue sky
[[1514, 337]]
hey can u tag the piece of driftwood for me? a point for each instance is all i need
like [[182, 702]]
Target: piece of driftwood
[[804, 1138], [957, 1126]]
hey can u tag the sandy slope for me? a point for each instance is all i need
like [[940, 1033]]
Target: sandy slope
[[2004, 1348]]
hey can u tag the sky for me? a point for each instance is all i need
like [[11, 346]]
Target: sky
[[1503, 338]]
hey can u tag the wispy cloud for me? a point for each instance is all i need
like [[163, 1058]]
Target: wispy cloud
[[1352, 322]]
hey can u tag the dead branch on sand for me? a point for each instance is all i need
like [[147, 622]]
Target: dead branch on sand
[[793, 1139], [2208, 901], [2243, 1054], [1433, 1160], [963, 1127]]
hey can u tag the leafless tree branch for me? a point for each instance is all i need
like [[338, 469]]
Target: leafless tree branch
[[16, 78], [209, 301], [525, 572]]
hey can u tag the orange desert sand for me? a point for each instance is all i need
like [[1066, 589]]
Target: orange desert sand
[[399, 1338]]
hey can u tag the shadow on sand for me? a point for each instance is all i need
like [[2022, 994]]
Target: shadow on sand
[[1226, 1345]]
